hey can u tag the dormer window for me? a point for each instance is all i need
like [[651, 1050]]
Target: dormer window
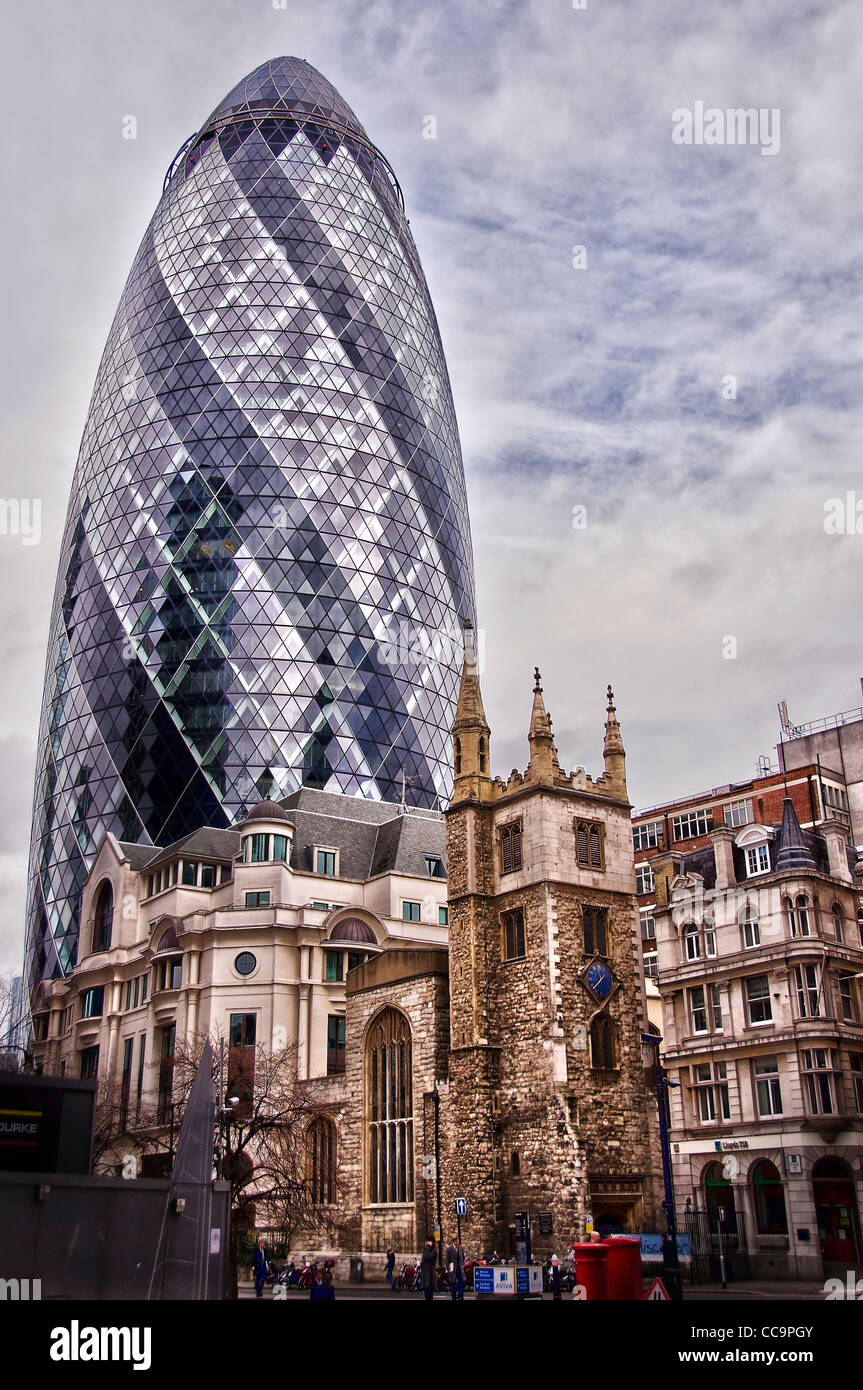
[[325, 862], [263, 848], [757, 860], [434, 866]]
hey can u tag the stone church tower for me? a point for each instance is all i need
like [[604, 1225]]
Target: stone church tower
[[546, 1108]]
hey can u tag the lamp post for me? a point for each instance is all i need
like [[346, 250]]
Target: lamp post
[[439, 1228], [671, 1261]]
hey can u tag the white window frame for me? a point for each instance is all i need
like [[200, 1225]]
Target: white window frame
[[697, 1008], [807, 987], [761, 999], [772, 1088], [757, 860], [644, 880], [326, 849], [737, 813], [750, 927], [682, 825], [646, 836]]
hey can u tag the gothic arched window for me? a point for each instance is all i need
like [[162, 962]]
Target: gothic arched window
[[321, 1161], [389, 1109], [602, 1043], [103, 918]]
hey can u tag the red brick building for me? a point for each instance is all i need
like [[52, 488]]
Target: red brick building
[[817, 792]]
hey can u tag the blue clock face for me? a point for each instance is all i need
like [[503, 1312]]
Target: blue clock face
[[599, 979]]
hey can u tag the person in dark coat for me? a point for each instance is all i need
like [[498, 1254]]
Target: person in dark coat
[[259, 1267], [455, 1268], [554, 1277], [322, 1288], [428, 1261], [391, 1264]]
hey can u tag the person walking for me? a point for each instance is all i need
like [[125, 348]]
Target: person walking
[[455, 1269], [428, 1272], [259, 1267], [554, 1277], [391, 1264]]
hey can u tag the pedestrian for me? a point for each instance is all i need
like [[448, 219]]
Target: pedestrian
[[391, 1264], [428, 1262], [455, 1269], [322, 1287], [259, 1267], [554, 1277]]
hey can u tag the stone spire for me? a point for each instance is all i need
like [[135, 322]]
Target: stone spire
[[792, 850], [613, 752], [543, 765], [471, 734]]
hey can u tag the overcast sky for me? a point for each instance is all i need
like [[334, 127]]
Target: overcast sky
[[602, 386]]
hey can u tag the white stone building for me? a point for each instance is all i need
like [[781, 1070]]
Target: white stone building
[[760, 954], [246, 933]]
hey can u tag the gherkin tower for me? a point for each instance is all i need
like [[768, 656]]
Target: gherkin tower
[[267, 561]]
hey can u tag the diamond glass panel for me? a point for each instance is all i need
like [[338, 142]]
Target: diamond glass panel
[[267, 560]]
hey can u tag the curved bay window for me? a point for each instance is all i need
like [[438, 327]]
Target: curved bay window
[[798, 915], [602, 1043], [389, 1109], [770, 1215], [321, 1161], [103, 918]]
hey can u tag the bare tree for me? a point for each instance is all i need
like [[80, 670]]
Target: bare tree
[[260, 1143], [12, 1056]]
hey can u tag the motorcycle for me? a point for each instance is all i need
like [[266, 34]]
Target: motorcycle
[[307, 1275], [409, 1277]]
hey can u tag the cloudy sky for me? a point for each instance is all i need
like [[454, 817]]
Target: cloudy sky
[[651, 425]]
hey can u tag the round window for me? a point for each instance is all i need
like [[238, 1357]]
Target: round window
[[245, 963]]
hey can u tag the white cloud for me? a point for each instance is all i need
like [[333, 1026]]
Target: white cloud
[[599, 387]]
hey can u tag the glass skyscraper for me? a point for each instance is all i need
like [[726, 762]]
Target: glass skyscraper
[[267, 559]]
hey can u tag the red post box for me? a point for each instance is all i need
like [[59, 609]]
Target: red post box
[[591, 1261], [623, 1271]]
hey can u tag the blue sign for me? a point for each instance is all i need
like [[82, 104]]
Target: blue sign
[[483, 1279], [522, 1279], [461, 1206]]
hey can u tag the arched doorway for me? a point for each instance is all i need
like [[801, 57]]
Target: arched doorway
[[836, 1212], [719, 1198]]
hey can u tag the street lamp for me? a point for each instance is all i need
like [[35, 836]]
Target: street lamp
[[671, 1265]]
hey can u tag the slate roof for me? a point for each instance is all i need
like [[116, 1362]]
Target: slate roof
[[372, 837]]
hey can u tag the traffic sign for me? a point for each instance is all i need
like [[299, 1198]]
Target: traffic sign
[[461, 1206], [657, 1293]]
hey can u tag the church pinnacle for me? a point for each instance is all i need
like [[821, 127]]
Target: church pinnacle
[[544, 764], [613, 751], [471, 734]]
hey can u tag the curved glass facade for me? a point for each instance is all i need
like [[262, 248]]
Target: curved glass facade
[[267, 560]]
